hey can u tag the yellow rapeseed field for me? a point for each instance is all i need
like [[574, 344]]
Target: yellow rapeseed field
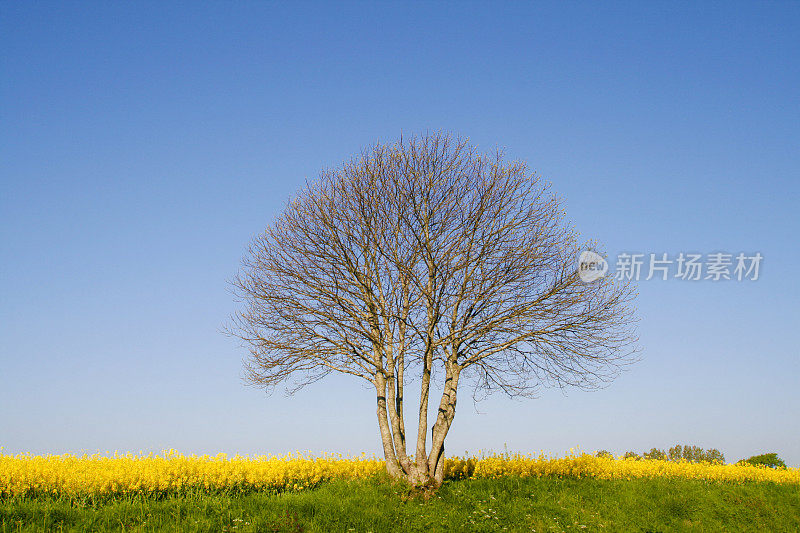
[[95, 475]]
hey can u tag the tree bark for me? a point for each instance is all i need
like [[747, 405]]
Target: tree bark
[[396, 422], [444, 419], [392, 465]]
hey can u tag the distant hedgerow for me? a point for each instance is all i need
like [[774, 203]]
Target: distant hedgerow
[[690, 454]]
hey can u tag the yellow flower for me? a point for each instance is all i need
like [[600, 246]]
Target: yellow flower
[[25, 474]]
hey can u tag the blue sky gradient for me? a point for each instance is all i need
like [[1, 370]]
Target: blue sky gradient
[[143, 145]]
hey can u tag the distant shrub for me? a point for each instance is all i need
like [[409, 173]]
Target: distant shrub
[[766, 459], [631, 455], [604, 453], [694, 454], [655, 453], [713, 455], [675, 453]]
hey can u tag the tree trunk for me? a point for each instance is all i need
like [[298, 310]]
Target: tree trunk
[[392, 465], [447, 412]]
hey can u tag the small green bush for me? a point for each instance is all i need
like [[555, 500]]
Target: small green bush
[[766, 459]]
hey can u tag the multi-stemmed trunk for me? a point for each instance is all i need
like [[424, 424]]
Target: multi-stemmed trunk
[[426, 468]]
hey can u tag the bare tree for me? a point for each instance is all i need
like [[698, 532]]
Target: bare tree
[[427, 258]]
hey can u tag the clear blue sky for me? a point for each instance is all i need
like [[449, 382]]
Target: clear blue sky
[[142, 145]]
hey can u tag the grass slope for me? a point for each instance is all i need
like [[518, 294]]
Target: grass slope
[[507, 504]]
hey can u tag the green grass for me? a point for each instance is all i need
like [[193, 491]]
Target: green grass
[[509, 504]]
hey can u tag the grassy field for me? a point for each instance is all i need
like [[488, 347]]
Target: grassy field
[[377, 505]]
